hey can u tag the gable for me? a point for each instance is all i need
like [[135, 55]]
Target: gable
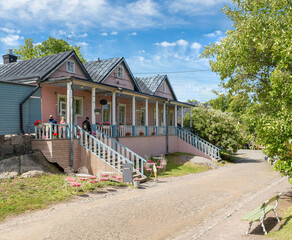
[[125, 82], [61, 71], [168, 92]]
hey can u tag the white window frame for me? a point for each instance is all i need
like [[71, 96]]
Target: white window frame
[[64, 96], [142, 109], [120, 72], [73, 66], [170, 119], [110, 112], [164, 87], [125, 119]]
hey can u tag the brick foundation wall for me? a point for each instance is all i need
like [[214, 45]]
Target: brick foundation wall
[[58, 151]]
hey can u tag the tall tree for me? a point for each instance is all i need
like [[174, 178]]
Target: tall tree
[[51, 46], [255, 58]]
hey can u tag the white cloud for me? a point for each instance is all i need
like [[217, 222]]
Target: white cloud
[[11, 40], [104, 34], [214, 34], [114, 33], [61, 32], [132, 34], [83, 14], [182, 42], [84, 44], [141, 51], [37, 44], [196, 7], [84, 35], [10, 31], [196, 45]]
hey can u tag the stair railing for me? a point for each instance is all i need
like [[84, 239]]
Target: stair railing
[[137, 161], [199, 143]]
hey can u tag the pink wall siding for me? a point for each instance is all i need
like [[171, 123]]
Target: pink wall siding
[[49, 102], [187, 148], [167, 94], [126, 82], [62, 71], [153, 145]]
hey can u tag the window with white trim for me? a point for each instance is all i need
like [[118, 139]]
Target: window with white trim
[[70, 66], [62, 106], [120, 72], [164, 87], [170, 117], [142, 117], [122, 114], [106, 113]]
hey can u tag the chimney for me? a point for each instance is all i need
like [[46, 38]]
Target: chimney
[[9, 57]]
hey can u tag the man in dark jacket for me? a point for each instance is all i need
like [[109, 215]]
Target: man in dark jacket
[[86, 125]]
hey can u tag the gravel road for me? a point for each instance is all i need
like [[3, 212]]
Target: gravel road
[[207, 205]]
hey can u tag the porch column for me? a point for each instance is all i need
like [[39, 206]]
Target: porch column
[[93, 120], [69, 95], [164, 114], [157, 115], [134, 115], [146, 117], [175, 115], [114, 108], [182, 117]]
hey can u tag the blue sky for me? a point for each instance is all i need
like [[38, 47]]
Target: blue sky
[[154, 36]]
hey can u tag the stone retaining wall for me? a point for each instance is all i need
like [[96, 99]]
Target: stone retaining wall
[[14, 145]]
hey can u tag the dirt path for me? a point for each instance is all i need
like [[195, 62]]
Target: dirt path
[[198, 206]]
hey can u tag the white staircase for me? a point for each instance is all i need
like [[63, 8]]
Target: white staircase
[[199, 143], [111, 151]]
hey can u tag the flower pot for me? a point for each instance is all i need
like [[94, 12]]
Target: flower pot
[[136, 183]]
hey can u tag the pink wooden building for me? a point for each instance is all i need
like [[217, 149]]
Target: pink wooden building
[[131, 117]]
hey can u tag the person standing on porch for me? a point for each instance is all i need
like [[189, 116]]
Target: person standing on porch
[[52, 120], [86, 125], [63, 121]]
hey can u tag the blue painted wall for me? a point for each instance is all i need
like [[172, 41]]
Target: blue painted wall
[[11, 95]]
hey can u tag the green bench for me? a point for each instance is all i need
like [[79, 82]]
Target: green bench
[[259, 214]]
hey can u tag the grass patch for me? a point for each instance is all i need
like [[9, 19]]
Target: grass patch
[[285, 231], [21, 194], [177, 167]]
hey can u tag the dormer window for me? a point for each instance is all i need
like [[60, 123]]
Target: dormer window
[[71, 66], [120, 72]]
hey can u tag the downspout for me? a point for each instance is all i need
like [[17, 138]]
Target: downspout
[[72, 125], [167, 149], [21, 105]]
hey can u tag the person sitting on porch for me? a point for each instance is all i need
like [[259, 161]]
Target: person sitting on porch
[[52, 120], [86, 125], [63, 121]]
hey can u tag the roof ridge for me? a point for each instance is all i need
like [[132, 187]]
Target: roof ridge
[[104, 59], [13, 63]]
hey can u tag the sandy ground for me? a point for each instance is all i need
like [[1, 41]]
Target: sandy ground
[[207, 205]]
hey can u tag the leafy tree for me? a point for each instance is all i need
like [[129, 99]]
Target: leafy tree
[[255, 58], [48, 47], [219, 128]]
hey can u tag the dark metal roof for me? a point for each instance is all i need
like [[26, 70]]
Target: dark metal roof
[[33, 68], [149, 85], [100, 69]]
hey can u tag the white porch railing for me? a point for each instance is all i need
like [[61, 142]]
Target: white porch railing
[[52, 131], [199, 143], [111, 145]]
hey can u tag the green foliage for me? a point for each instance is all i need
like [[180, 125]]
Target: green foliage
[[22, 194], [217, 127], [48, 47], [255, 59]]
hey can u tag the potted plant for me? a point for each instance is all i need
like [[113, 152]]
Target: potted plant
[[128, 134], [141, 133], [97, 111], [153, 134], [37, 123], [136, 182], [55, 135]]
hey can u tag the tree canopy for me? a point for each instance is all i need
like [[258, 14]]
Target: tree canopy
[[51, 46], [255, 59]]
